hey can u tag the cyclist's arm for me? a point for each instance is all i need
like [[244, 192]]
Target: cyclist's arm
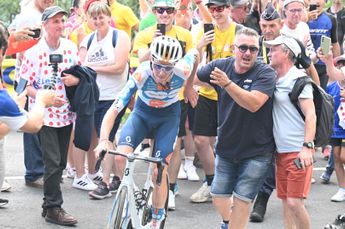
[[108, 123], [119, 104]]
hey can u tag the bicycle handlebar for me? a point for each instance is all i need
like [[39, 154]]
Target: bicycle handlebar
[[131, 158]]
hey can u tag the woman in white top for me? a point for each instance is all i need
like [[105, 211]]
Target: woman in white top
[[107, 52]]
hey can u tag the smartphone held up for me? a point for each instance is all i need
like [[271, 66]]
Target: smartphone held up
[[161, 28], [37, 33]]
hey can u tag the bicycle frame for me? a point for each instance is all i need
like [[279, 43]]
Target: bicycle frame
[[133, 212]]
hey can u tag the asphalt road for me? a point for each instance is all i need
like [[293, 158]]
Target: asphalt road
[[24, 209]]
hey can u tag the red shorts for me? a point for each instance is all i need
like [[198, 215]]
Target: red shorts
[[290, 181]]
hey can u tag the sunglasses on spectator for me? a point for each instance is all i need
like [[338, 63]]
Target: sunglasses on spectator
[[165, 68], [218, 9], [161, 10], [244, 48]]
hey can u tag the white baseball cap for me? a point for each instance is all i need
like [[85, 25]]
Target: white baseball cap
[[290, 42]]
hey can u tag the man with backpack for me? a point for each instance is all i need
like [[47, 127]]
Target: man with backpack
[[293, 135]]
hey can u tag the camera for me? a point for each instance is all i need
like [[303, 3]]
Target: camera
[[55, 58]]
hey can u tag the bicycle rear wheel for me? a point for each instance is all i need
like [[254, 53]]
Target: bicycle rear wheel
[[120, 213]]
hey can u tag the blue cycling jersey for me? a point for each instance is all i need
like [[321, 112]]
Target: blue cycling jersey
[[325, 25], [152, 93]]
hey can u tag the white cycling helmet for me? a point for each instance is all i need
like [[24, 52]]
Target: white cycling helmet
[[166, 49]]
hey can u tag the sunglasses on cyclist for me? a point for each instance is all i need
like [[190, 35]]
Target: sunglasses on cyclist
[[244, 48], [218, 9], [161, 10], [165, 68]]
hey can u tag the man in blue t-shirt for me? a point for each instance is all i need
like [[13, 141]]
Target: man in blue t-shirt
[[323, 24], [245, 139]]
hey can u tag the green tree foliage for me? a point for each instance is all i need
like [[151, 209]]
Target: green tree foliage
[[8, 9]]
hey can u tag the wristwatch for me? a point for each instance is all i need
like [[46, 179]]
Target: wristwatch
[[309, 145]]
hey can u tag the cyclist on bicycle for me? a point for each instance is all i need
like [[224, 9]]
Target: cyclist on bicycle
[[157, 109]]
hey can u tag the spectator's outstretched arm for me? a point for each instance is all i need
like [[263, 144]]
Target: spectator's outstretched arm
[[249, 100], [205, 14], [332, 71], [336, 49], [144, 8], [20, 40], [44, 98]]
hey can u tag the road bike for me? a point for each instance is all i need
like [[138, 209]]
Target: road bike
[[132, 206]]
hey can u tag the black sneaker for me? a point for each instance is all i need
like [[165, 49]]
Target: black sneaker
[[115, 184], [3, 202], [100, 192]]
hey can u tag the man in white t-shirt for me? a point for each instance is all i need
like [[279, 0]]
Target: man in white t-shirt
[[55, 134]]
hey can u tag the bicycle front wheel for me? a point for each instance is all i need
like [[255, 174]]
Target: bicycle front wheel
[[120, 214]]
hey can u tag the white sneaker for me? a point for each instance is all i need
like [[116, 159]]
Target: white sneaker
[[70, 172], [182, 175], [339, 196], [96, 177], [171, 201], [191, 173], [5, 186], [84, 183], [202, 195]]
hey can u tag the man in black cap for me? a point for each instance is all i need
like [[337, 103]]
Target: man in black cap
[[55, 134], [270, 25]]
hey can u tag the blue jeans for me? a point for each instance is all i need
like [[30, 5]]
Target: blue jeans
[[270, 181], [243, 178], [32, 157]]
